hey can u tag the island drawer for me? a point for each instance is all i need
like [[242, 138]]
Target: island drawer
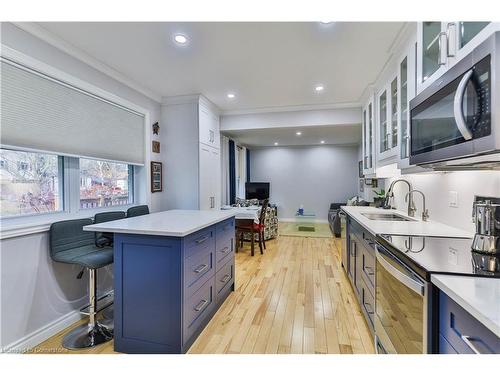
[[197, 270], [367, 302], [368, 266], [224, 276], [464, 332], [203, 240], [198, 308], [224, 250], [225, 228]]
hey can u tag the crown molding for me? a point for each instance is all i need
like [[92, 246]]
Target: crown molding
[[292, 108], [59, 43], [185, 99]]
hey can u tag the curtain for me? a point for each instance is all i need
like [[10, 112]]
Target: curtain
[[241, 173], [232, 172], [225, 183]]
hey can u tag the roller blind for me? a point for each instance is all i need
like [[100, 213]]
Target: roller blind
[[38, 112]]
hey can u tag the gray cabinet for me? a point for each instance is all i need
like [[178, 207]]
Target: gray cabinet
[[361, 267]]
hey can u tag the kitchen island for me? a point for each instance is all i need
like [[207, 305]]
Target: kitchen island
[[172, 271]]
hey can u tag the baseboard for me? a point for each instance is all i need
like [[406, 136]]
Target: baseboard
[[294, 220], [43, 333], [40, 335]]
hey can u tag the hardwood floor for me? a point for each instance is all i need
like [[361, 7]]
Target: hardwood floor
[[293, 299]]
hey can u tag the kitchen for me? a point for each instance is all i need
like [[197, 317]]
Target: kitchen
[[416, 156]]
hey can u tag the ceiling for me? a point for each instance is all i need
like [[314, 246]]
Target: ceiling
[[264, 64], [311, 135]]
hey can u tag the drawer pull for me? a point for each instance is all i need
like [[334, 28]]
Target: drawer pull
[[369, 270], [201, 305], [369, 311], [225, 279], [201, 240], [467, 340], [201, 268], [225, 250]]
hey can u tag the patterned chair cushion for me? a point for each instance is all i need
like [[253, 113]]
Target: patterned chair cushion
[[271, 226], [240, 202]]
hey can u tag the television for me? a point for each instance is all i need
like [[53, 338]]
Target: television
[[257, 190]]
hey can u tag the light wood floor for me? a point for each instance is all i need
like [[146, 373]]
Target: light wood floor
[[293, 299]]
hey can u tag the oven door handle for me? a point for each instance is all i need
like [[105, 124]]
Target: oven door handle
[[406, 280], [457, 106]]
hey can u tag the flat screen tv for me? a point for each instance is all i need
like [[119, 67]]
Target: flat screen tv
[[257, 190]]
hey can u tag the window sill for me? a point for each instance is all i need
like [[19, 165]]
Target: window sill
[[23, 226]]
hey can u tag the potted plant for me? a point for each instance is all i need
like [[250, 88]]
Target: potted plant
[[379, 198]]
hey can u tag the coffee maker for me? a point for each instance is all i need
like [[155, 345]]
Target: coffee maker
[[486, 216]]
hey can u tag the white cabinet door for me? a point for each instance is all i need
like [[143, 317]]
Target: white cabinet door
[[205, 125], [209, 127], [209, 178], [205, 178], [368, 138]]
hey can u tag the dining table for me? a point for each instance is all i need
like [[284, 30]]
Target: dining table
[[245, 216]]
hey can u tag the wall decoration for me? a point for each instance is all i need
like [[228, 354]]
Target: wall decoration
[[156, 177], [361, 185], [360, 169], [156, 147], [156, 128]]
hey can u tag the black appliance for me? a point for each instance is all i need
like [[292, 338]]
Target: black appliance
[[257, 190]]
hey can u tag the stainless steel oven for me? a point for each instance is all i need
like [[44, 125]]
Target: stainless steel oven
[[457, 116], [401, 308]]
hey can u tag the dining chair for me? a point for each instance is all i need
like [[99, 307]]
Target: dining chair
[[253, 228]]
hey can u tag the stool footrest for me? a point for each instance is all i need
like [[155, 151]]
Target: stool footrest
[[103, 302]]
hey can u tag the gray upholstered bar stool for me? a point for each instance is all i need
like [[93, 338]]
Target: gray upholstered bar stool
[[138, 211], [70, 244]]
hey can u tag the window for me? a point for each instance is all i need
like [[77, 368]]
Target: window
[[30, 183], [104, 184]]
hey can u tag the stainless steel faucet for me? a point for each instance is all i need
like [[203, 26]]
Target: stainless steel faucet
[[390, 194], [425, 211]]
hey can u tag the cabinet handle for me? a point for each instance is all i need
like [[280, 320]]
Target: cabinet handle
[[225, 250], [201, 240], [225, 279], [369, 270], [467, 340], [200, 305], [201, 268], [451, 30], [443, 53], [369, 311]]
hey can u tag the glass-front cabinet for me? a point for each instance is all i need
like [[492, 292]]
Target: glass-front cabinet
[[382, 123], [368, 138], [403, 108], [443, 44], [388, 120]]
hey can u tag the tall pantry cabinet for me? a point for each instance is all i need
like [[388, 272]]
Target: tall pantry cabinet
[[192, 171]]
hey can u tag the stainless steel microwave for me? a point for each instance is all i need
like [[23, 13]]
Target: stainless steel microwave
[[455, 122]]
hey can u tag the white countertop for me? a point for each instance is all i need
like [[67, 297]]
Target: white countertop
[[415, 227], [479, 296], [174, 223]]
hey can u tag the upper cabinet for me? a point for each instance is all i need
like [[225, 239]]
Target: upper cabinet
[[442, 44], [208, 126], [387, 120], [368, 137]]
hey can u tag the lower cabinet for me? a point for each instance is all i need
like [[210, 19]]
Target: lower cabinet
[[168, 288], [361, 269], [461, 333]]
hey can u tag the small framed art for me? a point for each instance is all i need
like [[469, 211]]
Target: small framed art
[[156, 177]]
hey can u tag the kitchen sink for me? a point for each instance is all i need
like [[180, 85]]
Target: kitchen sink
[[386, 217]]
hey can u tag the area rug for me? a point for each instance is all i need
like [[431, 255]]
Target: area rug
[[322, 230]]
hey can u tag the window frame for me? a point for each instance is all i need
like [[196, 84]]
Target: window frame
[[69, 200], [60, 183]]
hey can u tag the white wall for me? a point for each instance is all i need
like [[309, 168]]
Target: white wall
[[314, 176], [35, 292], [436, 186]]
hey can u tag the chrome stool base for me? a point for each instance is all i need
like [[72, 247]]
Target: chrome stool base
[[86, 336]]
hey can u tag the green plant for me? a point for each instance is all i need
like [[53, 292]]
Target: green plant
[[380, 194]]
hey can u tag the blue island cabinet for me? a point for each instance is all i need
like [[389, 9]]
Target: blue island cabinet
[[168, 288]]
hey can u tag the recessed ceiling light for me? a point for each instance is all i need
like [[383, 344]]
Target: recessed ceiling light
[[319, 88], [322, 142], [231, 96], [180, 39], [299, 133], [275, 143], [325, 22]]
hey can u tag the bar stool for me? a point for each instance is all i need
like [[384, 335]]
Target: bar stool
[[138, 211], [70, 244]]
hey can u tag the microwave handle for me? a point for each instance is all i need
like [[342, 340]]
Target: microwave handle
[[457, 106]]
